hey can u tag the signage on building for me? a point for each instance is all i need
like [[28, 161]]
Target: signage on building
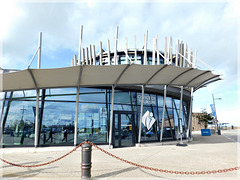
[[148, 120], [148, 100]]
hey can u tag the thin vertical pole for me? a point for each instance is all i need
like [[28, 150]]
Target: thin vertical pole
[[157, 42], [180, 111], [135, 49], [75, 60], [111, 118], [80, 44], [76, 117], [163, 113], [108, 52], [100, 50], [165, 51], [90, 54], [177, 51], [39, 50], [86, 55], [126, 51], [145, 48], [36, 118], [190, 114], [115, 47], [153, 52], [195, 58], [141, 114], [83, 56], [94, 55], [170, 50]]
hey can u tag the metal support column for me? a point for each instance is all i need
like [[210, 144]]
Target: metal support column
[[76, 117], [39, 50], [141, 113], [80, 45], [111, 118], [115, 47], [36, 119], [190, 116], [163, 113]]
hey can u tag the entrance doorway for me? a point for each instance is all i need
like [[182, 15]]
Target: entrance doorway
[[124, 129]]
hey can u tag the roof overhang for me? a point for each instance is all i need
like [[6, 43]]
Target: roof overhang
[[91, 75]]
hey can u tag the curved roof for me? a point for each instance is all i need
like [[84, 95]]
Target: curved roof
[[91, 75]]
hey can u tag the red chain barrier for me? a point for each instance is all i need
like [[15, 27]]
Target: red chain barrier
[[129, 162], [165, 171], [37, 165]]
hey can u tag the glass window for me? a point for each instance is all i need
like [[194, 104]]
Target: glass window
[[150, 126], [92, 123], [19, 124], [58, 123]]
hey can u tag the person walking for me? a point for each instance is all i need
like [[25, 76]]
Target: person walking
[[50, 135], [65, 135]]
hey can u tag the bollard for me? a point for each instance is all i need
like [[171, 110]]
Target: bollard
[[86, 160]]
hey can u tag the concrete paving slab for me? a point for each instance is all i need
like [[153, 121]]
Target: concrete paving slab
[[204, 153]]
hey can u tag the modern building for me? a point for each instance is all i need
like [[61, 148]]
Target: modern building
[[121, 97]]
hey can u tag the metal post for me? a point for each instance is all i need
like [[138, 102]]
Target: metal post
[[115, 49], [94, 55], [36, 119], [145, 48], [90, 54], [86, 55], [170, 50], [80, 45], [180, 120], [177, 51], [165, 51], [135, 49], [163, 113], [111, 119], [126, 51], [190, 115], [39, 50], [86, 160], [108, 53], [76, 117], [153, 52], [100, 55], [157, 42], [141, 113]]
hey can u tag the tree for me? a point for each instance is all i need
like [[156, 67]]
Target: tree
[[205, 119]]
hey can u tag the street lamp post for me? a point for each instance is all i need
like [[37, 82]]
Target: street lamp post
[[216, 121]]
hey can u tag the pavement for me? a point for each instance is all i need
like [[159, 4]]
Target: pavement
[[204, 153]]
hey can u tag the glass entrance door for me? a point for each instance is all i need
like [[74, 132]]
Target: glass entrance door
[[124, 131]]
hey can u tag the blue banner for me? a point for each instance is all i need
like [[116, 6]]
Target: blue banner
[[213, 110]]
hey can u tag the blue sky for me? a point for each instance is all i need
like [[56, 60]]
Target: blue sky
[[210, 27]]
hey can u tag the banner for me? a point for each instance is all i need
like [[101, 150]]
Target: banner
[[213, 110]]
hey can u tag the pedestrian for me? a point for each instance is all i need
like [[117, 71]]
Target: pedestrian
[[50, 135], [65, 135]]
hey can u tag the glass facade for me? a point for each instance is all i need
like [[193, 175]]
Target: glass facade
[[57, 111]]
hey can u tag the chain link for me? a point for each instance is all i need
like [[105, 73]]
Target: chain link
[[163, 170], [43, 164]]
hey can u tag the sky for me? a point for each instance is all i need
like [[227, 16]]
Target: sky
[[210, 27]]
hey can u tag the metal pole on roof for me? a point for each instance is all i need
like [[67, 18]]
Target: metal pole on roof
[[177, 51], [80, 44], [157, 42], [126, 51], [86, 55], [100, 51], [145, 48], [170, 50], [39, 50], [153, 52], [111, 118], [94, 55], [141, 114], [90, 54], [115, 47], [165, 51], [163, 111], [108, 52], [135, 49]]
